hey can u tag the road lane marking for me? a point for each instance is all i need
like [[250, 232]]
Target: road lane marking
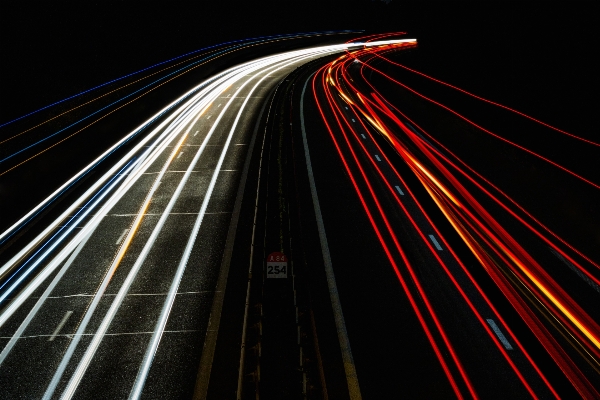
[[180, 154], [435, 242], [348, 360], [219, 105], [399, 190], [573, 268], [196, 133], [499, 333], [377, 157], [60, 325], [353, 120], [363, 135], [122, 236], [209, 117]]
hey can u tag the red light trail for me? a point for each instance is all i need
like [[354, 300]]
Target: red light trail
[[350, 104]]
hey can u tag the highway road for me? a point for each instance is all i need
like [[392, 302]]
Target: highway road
[[413, 226], [120, 306], [416, 267]]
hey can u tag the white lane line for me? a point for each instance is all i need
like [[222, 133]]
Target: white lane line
[[363, 135], [348, 360], [346, 107], [219, 105], [353, 120], [209, 117], [180, 154], [122, 236], [377, 157], [399, 190], [499, 333], [60, 325], [435, 242], [196, 133]]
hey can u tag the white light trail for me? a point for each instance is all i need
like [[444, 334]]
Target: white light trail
[[149, 148]]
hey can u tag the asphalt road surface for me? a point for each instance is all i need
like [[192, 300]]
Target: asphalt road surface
[[402, 279], [145, 273]]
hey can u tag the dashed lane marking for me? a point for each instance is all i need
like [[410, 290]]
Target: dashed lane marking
[[435, 242], [499, 333], [60, 325]]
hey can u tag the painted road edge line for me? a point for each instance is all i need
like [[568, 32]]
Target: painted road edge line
[[349, 368]]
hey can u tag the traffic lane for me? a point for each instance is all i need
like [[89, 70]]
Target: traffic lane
[[84, 283], [431, 270], [193, 364], [525, 238], [445, 292], [392, 355], [136, 319], [73, 293], [185, 315], [150, 311]]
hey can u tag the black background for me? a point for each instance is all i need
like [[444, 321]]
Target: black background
[[537, 57]]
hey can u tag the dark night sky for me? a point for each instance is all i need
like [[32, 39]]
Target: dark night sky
[[538, 57]]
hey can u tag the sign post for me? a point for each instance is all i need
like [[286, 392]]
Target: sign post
[[276, 265]]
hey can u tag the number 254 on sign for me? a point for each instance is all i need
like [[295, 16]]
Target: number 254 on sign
[[276, 265]]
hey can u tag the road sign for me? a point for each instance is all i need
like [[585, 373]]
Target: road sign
[[276, 265]]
